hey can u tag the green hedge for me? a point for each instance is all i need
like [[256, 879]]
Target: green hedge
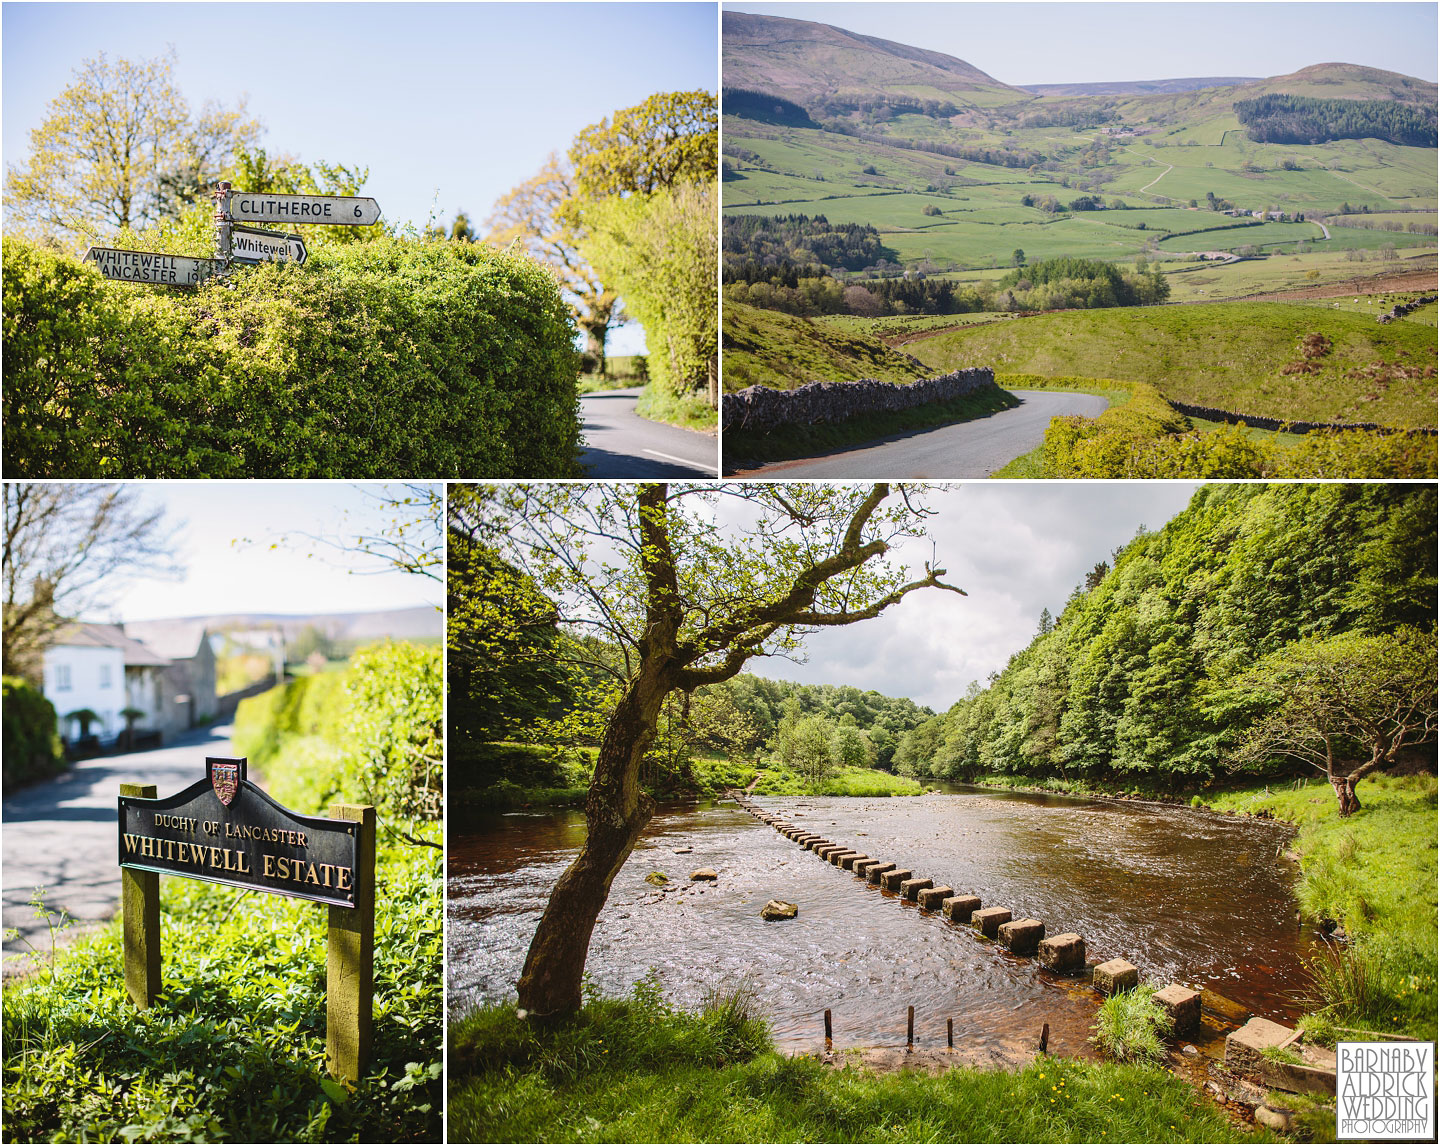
[[32, 747], [390, 358]]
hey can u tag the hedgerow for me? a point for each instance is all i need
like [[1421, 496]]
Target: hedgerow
[[31, 739], [394, 358]]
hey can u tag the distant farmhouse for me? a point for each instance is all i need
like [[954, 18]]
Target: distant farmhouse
[[164, 670]]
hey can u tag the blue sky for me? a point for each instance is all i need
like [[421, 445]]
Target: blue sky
[[243, 549], [449, 105], [1033, 43]]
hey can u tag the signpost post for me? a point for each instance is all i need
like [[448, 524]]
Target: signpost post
[[226, 830]]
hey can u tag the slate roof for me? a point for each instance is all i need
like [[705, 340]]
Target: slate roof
[[88, 634]]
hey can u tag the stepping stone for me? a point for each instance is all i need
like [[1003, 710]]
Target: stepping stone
[[849, 862], [893, 879], [932, 897], [1183, 1006], [1062, 952], [989, 919], [910, 888], [1116, 975], [1244, 1048], [876, 872], [958, 908], [1022, 936]]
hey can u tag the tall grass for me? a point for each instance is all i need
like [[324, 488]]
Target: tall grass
[[1131, 1027]]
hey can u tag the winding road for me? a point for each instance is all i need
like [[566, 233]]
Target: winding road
[[973, 449], [621, 444], [63, 836]]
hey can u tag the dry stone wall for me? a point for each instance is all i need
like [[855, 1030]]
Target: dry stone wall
[[1256, 421], [759, 408]]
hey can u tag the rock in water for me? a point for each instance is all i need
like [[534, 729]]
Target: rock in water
[[705, 873], [657, 879], [778, 909]]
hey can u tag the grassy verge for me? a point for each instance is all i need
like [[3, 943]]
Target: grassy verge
[[844, 782], [1375, 874], [635, 1070], [1032, 465], [787, 442], [688, 411]]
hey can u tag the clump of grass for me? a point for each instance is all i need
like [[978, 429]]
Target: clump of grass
[[1131, 1027]]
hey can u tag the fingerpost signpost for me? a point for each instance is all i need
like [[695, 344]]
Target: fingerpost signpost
[[236, 243], [224, 829]]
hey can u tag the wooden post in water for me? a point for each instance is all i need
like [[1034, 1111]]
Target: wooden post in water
[[827, 1027], [950, 1033], [350, 959], [1044, 1037], [910, 1030], [140, 905]]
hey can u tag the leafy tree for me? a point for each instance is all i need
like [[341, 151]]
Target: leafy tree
[[687, 583], [660, 252], [68, 548], [534, 215], [668, 141], [1347, 705], [1017, 258], [119, 148]]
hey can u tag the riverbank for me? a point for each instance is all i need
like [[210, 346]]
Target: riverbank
[[638, 1070]]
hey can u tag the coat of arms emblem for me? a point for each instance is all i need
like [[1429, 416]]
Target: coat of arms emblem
[[225, 779]]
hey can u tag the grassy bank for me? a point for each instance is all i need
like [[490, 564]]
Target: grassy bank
[[838, 782], [1375, 874], [783, 351], [635, 1070]]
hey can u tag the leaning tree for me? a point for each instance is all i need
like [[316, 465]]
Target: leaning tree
[[1347, 705], [685, 584]]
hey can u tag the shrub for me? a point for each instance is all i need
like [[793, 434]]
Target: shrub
[[389, 358], [1131, 1027], [32, 748]]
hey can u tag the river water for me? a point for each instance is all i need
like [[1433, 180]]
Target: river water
[[1187, 897]]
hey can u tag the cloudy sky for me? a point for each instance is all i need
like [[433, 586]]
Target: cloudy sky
[[1015, 549], [1037, 43]]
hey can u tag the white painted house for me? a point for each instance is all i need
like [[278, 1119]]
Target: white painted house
[[97, 667]]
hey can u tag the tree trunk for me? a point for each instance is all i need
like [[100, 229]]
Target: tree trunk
[[616, 811], [1345, 792]]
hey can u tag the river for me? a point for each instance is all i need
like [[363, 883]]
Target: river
[[1186, 896]]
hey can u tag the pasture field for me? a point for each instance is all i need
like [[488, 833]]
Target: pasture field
[[767, 348], [1226, 355]]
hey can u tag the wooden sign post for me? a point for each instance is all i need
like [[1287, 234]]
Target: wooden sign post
[[224, 829]]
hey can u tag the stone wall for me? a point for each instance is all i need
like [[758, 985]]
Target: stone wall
[[759, 408], [1400, 310], [1256, 421]]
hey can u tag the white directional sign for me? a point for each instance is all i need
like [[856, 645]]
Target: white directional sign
[[143, 267], [249, 207], [250, 245]]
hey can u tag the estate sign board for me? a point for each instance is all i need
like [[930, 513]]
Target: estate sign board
[[226, 830]]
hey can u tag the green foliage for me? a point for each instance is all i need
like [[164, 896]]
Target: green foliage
[[235, 1048], [670, 140], [1131, 1027], [388, 357], [836, 782], [32, 748], [637, 1070], [368, 734], [1275, 118]]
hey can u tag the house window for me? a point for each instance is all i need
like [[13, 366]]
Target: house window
[[104, 676], [62, 678]]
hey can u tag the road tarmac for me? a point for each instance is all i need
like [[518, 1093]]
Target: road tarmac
[[618, 443], [973, 449]]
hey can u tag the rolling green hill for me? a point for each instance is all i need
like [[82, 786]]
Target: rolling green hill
[[767, 348], [1227, 355]]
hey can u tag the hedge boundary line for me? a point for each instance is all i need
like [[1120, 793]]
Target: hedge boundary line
[[1258, 422]]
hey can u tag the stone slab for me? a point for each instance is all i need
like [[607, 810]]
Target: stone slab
[[893, 879], [1116, 975], [931, 898], [1244, 1047], [1022, 936], [1062, 952], [849, 862], [1183, 1006], [989, 919], [875, 872], [911, 888], [958, 908]]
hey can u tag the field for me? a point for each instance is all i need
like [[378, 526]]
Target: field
[[1228, 355], [767, 348]]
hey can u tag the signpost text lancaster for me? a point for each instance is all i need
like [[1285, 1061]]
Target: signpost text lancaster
[[224, 829]]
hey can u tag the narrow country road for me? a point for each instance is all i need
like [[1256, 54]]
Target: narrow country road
[[621, 444], [63, 836], [973, 449]]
